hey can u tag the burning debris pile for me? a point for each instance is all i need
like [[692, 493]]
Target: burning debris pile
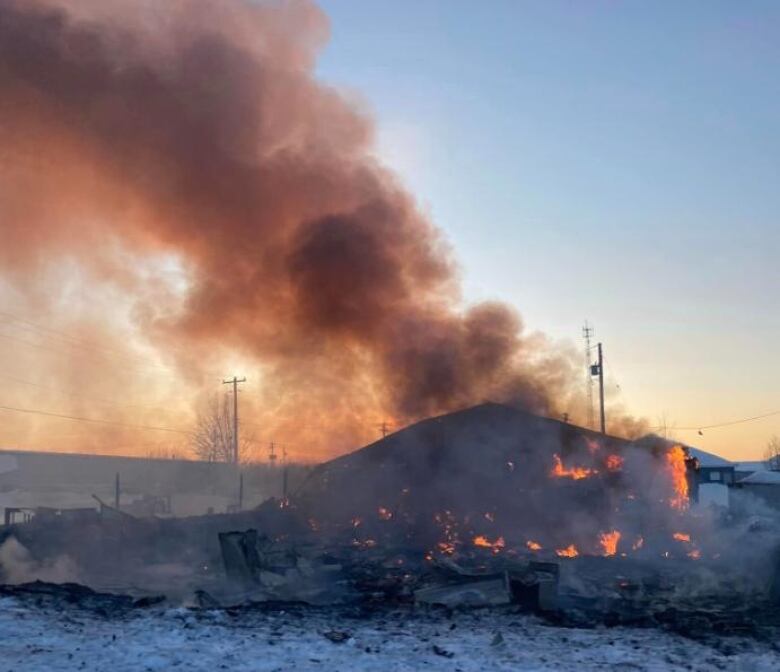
[[500, 479], [488, 506]]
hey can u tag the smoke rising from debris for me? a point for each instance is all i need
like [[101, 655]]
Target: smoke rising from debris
[[187, 139]]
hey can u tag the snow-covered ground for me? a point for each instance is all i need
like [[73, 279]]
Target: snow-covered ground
[[42, 638]]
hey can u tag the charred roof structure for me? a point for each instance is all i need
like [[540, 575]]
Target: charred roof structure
[[494, 472]]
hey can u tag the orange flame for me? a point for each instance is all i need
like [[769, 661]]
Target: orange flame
[[675, 465], [614, 462], [609, 542], [680, 536], [569, 552], [533, 546], [575, 473], [484, 542]]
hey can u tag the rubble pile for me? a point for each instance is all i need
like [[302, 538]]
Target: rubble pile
[[485, 508]]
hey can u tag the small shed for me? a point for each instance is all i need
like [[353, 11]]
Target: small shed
[[713, 468], [763, 485]]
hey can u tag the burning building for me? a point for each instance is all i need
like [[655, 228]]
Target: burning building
[[495, 472]]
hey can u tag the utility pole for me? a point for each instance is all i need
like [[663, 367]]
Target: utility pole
[[384, 428], [284, 473], [272, 454], [234, 382], [598, 369], [240, 490], [587, 332], [116, 491]]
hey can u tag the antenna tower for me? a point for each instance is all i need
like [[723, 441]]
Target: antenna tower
[[587, 332]]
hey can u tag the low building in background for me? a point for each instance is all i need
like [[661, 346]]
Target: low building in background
[[61, 481]]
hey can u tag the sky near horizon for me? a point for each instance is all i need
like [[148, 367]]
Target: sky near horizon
[[610, 161]]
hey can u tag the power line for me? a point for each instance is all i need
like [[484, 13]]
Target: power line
[[33, 411], [78, 395], [724, 424], [42, 346], [90, 346]]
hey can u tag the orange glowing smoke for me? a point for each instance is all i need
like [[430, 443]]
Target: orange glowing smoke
[[680, 536], [569, 552], [695, 554], [675, 466], [484, 542], [609, 542], [576, 473], [533, 546], [593, 446], [614, 462], [638, 544]]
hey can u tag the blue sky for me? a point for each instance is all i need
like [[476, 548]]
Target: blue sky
[[615, 161]]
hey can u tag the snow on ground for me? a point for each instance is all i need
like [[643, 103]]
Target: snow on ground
[[42, 638]]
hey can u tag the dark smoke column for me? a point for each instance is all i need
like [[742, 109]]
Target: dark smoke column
[[197, 130]]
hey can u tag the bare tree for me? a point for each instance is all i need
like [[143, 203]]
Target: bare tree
[[213, 436], [213, 439], [772, 454]]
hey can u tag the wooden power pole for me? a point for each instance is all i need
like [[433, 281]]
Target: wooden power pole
[[597, 369], [601, 391], [234, 382]]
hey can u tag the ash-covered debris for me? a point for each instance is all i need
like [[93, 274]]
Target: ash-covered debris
[[267, 571], [73, 595], [488, 507]]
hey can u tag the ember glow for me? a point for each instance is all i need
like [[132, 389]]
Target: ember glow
[[614, 462], [680, 536], [446, 547], [675, 466], [484, 542], [593, 446], [609, 542], [533, 546], [569, 552], [575, 473]]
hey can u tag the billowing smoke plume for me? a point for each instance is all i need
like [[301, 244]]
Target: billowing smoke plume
[[143, 140]]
